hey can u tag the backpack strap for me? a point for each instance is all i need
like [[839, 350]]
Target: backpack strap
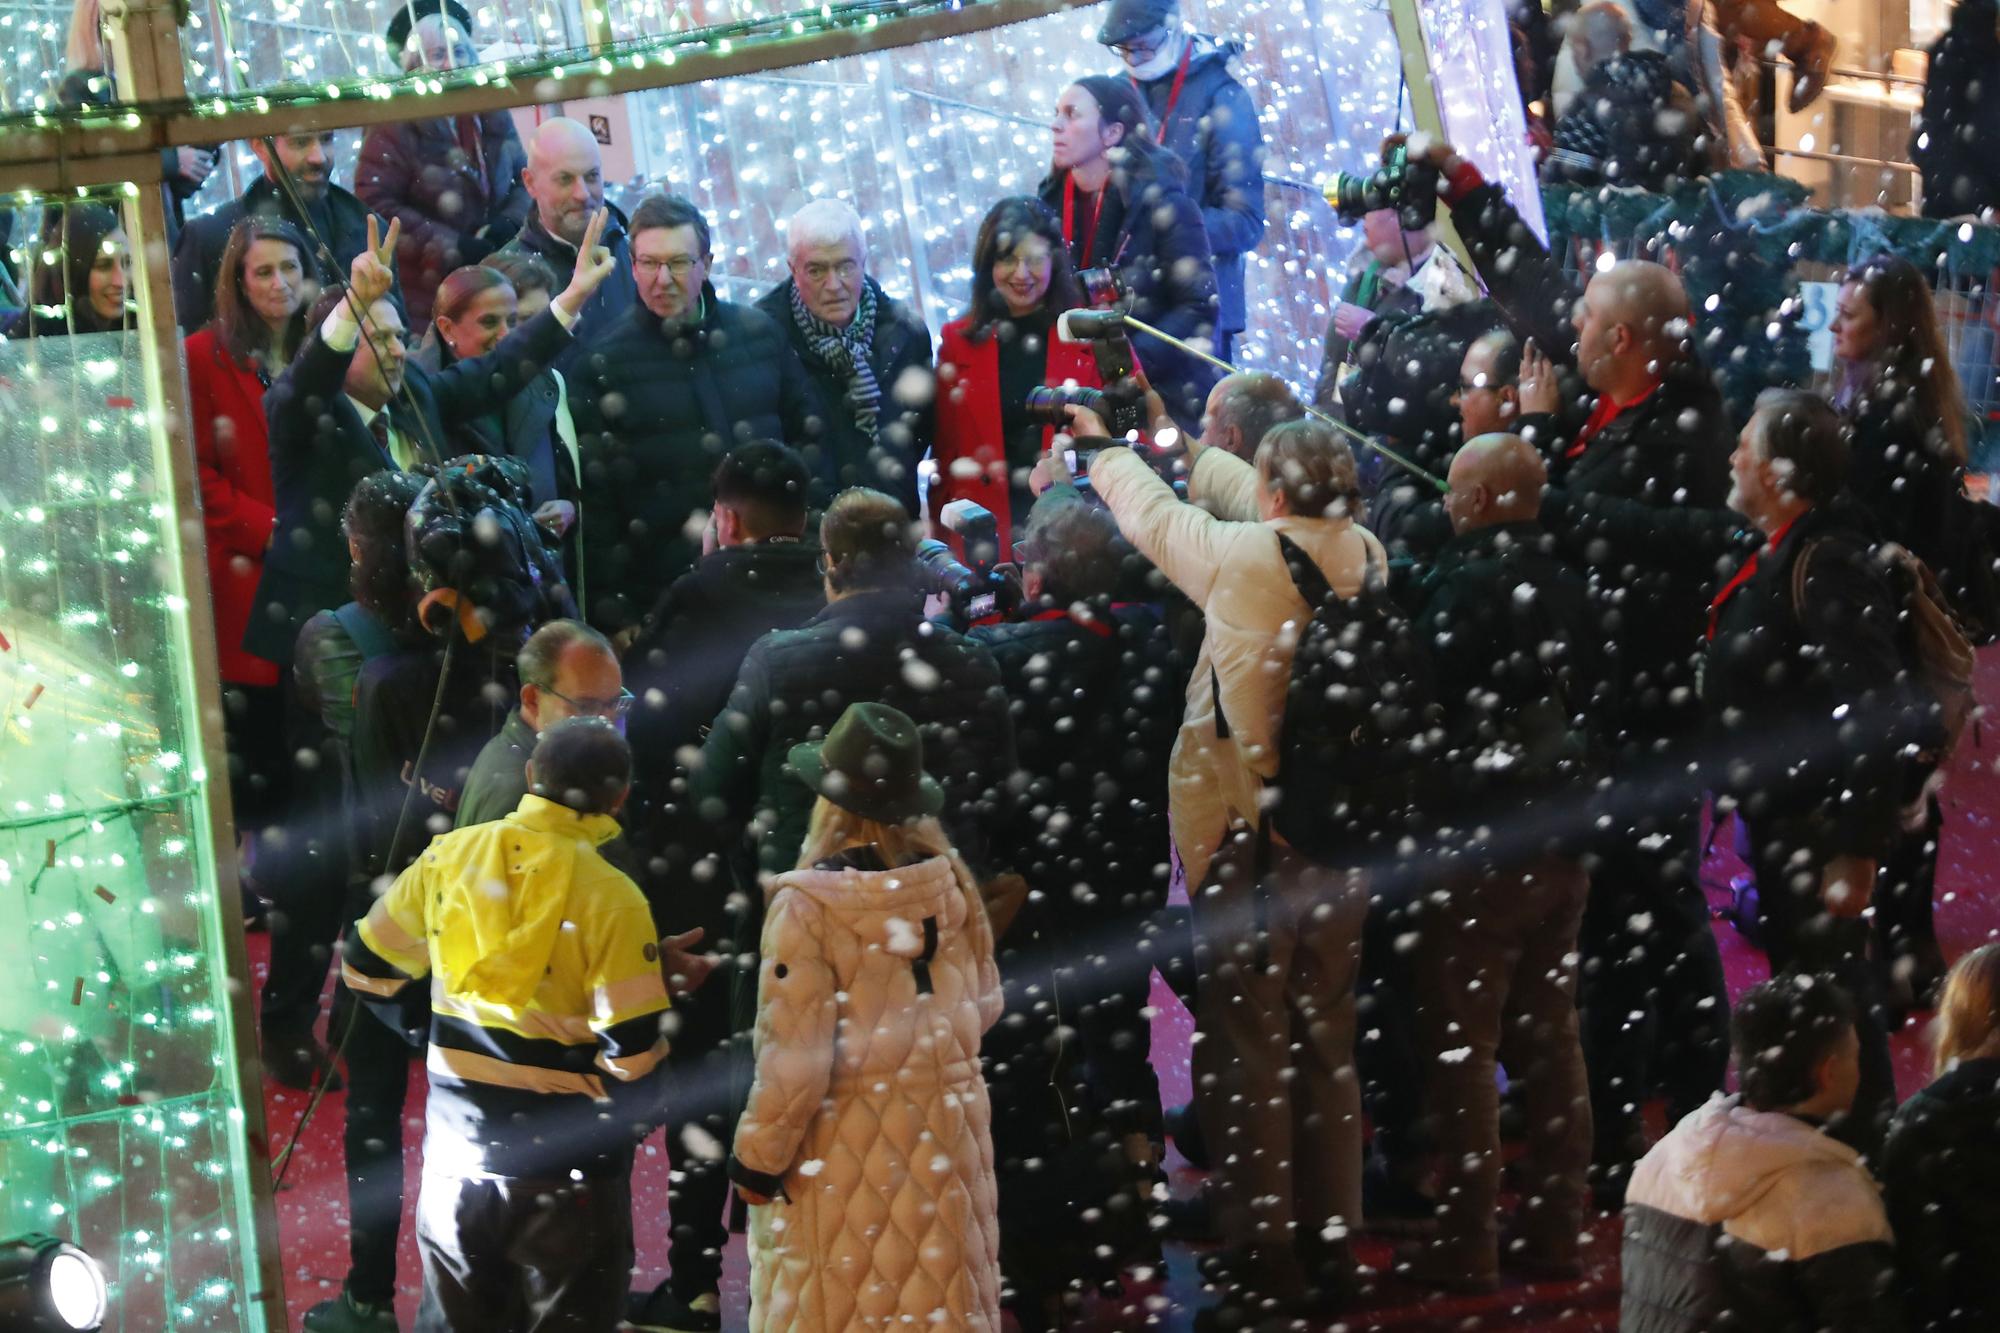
[[1799, 580], [368, 633]]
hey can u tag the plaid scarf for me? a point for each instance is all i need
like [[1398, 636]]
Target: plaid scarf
[[845, 352]]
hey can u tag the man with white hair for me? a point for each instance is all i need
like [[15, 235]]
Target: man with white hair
[[869, 353], [565, 179], [453, 181]]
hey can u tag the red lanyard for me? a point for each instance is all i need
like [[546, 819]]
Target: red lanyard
[[1173, 93], [1741, 577], [1097, 627], [1069, 220]]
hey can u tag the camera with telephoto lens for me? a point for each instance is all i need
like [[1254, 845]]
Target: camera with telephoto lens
[[1121, 403], [1411, 188], [978, 592]]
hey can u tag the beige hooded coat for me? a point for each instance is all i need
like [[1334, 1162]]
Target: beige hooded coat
[[868, 1107]]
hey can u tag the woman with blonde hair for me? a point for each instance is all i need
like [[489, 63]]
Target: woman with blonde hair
[[866, 1149], [1941, 1166]]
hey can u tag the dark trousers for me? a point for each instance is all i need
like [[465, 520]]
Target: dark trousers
[[260, 763], [1801, 936], [1905, 900], [1655, 1007], [1496, 981], [524, 1256], [700, 1126], [1386, 1050], [303, 867], [378, 1084], [1274, 1073]]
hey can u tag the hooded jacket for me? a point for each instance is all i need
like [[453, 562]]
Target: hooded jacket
[[900, 356], [1151, 232], [1755, 1220], [868, 1124], [1941, 1174], [1229, 564], [1214, 130], [545, 991], [1952, 142]]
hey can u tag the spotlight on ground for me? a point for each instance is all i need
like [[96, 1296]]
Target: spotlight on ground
[[48, 1285]]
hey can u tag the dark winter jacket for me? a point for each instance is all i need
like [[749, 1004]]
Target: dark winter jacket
[[1941, 1178], [656, 409], [1671, 450], [692, 643], [614, 296], [1952, 143], [456, 207], [320, 449], [340, 221], [905, 421], [1214, 131], [794, 686], [498, 778], [1755, 1220], [1151, 232], [1807, 704], [1366, 289], [1513, 648], [1899, 467], [1635, 124]]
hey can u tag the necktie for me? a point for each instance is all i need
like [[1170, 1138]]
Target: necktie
[[378, 426]]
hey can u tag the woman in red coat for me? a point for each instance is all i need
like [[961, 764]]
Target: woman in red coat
[[260, 295], [990, 358]]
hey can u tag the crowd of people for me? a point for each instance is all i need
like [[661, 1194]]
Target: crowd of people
[[596, 705]]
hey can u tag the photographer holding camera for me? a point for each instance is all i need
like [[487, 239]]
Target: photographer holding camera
[[1275, 1005]]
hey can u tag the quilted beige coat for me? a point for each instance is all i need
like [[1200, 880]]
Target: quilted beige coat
[[868, 1106]]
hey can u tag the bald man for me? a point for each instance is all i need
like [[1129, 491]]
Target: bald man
[[1652, 428], [565, 178], [1513, 642]]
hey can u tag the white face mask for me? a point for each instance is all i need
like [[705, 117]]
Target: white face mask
[[1164, 59]]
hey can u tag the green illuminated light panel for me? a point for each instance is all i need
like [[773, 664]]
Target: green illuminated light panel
[[122, 1123]]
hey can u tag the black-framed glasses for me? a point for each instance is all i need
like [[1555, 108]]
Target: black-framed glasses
[[605, 708], [678, 265]]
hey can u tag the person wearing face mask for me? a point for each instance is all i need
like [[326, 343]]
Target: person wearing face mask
[[1125, 206], [454, 181], [1205, 118], [869, 353], [86, 291], [258, 326], [660, 396], [992, 355]]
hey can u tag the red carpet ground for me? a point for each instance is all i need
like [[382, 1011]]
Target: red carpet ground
[[312, 1209]]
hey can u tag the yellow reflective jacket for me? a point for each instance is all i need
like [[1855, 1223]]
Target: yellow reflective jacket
[[546, 991]]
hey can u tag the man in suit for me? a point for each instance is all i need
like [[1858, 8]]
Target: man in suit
[[335, 417], [330, 216]]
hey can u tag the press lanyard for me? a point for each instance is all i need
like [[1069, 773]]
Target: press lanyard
[[1173, 93], [1069, 219]]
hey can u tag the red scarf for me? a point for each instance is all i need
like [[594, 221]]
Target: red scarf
[[1097, 627], [1744, 575], [1608, 410]]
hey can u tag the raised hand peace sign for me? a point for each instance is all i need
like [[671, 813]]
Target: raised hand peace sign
[[593, 265], [373, 271]]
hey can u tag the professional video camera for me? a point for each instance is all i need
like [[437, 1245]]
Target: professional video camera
[[978, 591], [1411, 188]]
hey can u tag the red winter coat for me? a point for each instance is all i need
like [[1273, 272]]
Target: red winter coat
[[971, 456], [232, 453]]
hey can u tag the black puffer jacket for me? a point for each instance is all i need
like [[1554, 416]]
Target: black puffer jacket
[[901, 358], [1941, 1173], [1952, 143], [1151, 231], [1900, 467], [1633, 123], [656, 409]]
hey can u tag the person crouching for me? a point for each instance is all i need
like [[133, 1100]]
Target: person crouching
[[545, 1020], [866, 1149]]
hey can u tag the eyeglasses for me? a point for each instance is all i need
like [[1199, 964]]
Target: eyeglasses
[[679, 266], [605, 708], [1143, 47]]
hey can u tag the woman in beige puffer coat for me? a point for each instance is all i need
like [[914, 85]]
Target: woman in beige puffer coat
[[866, 1149]]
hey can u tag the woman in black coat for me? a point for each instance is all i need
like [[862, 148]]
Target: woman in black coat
[[1941, 1166], [1900, 397], [1952, 144], [1125, 206]]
